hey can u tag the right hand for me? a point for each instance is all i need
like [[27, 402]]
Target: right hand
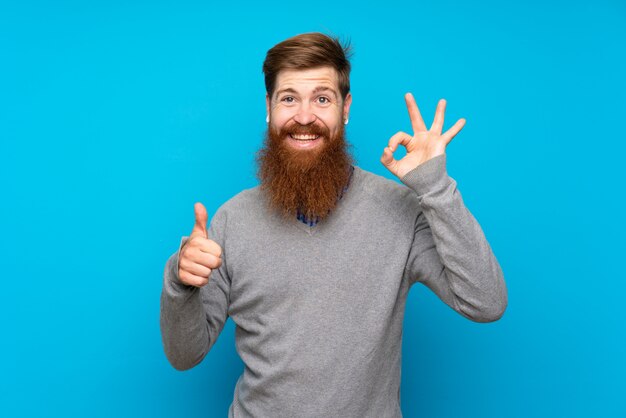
[[199, 256]]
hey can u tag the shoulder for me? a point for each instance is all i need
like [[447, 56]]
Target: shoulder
[[243, 202]]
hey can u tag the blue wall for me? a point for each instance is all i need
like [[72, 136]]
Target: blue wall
[[115, 117]]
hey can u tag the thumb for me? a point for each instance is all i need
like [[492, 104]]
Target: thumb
[[199, 228]]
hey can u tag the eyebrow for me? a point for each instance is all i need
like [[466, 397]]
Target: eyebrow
[[316, 90], [325, 89]]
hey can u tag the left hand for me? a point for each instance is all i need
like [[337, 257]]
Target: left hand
[[424, 144]]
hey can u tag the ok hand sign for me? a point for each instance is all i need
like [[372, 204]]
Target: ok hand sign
[[424, 144]]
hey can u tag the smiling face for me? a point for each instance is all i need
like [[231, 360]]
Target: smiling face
[[306, 107], [305, 164]]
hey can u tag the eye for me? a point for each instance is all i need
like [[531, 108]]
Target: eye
[[323, 100], [287, 99]]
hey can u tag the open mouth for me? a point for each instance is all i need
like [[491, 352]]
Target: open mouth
[[303, 138], [304, 141]]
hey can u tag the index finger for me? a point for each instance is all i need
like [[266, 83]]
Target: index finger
[[414, 113], [207, 245]]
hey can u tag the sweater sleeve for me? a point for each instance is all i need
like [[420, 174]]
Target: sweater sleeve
[[192, 318], [450, 254]]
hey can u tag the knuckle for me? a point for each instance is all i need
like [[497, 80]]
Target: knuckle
[[183, 263], [196, 252], [193, 269], [184, 259], [206, 271], [196, 241], [202, 281], [213, 261]]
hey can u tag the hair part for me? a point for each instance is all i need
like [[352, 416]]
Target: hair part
[[307, 51]]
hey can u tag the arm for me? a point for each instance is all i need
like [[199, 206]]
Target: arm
[[193, 317], [450, 254]]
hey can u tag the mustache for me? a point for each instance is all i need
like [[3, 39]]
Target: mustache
[[298, 129]]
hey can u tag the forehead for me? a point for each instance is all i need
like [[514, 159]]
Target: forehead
[[307, 80]]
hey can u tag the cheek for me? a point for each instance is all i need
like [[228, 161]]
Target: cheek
[[278, 118], [332, 122]]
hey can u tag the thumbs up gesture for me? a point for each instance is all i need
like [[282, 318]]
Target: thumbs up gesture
[[199, 256]]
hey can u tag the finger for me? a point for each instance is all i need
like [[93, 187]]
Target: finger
[[191, 279], [195, 268], [388, 160], [414, 114], [199, 228], [399, 138], [208, 260], [206, 245], [455, 129], [437, 125]]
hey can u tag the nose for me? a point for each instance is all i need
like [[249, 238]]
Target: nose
[[305, 115]]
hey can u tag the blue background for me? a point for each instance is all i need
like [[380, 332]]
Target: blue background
[[115, 117]]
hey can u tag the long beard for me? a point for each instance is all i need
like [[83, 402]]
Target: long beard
[[305, 181]]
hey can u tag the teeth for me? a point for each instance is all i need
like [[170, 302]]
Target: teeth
[[305, 137]]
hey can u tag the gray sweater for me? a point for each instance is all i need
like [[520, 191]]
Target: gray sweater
[[319, 310]]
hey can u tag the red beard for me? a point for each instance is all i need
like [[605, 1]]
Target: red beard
[[308, 181]]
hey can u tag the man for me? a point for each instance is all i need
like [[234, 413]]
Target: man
[[314, 265]]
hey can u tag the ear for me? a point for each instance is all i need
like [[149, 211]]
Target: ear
[[267, 104], [346, 105]]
